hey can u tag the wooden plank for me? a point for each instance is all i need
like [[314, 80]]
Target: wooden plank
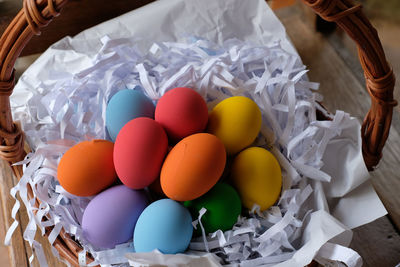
[[4, 256], [378, 243], [51, 259], [17, 250], [342, 90]]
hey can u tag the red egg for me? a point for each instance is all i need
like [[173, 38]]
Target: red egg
[[182, 112], [139, 152]]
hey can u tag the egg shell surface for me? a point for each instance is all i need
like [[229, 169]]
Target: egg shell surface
[[236, 121], [139, 152], [182, 112], [111, 216], [164, 225], [223, 208], [87, 168], [257, 177], [124, 106], [193, 167]]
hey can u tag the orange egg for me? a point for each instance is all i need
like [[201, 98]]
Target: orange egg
[[87, 168], [193, 167]]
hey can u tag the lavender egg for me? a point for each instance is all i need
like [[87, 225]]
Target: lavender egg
[[111, 216]]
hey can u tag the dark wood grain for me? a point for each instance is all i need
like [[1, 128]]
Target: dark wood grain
[[385, 250], [17, 250]]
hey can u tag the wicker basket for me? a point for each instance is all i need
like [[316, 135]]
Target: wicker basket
[[379, 77]]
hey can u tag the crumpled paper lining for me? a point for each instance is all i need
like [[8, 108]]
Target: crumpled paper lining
[[73, 109]]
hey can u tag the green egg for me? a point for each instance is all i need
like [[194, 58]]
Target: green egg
[[223, 208]]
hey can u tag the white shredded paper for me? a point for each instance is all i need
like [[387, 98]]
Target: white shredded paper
[[309, 221]]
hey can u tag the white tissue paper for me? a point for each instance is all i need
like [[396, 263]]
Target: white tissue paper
[[221, 48]]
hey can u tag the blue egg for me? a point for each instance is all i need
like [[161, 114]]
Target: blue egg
[[124, 106], [164, 225]]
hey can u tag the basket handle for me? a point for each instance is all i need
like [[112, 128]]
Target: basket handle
[[27, 23], [378, 74], [379, 77]]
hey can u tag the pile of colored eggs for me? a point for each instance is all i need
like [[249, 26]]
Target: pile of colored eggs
[[179, 151]]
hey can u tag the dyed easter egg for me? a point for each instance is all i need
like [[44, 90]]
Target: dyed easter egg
[[182, 112], [111, 216], [223, 208], [124, 106], [164, 225], [139, 152], [257, 177], [236, 121], [192, 167], [87, 168]]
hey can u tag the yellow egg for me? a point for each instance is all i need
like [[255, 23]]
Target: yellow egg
[[236, 121], [257, 176]]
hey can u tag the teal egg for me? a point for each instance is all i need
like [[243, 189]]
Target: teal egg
[[125, 106]]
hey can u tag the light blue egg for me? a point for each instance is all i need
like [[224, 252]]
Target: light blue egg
[[164, 225], [124, 106]]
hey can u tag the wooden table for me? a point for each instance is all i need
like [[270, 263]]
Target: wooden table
[[331, 62]]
